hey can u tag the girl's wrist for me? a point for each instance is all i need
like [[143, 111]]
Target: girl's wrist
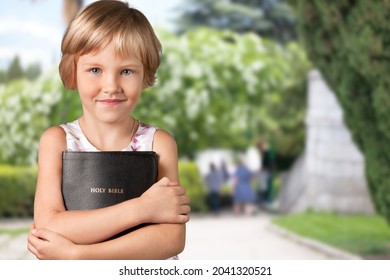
[[143, 211], [75, 252]]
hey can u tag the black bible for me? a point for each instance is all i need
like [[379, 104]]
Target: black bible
[[92, 180]]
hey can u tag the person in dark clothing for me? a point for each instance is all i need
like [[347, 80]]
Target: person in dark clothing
[[266, 173], [214, 181]]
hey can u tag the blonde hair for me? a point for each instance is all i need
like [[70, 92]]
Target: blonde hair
[[107, 21]]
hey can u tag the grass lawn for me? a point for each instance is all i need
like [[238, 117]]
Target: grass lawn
[[367, 236], [14, 232]]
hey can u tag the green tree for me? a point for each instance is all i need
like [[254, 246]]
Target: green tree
[[350, 43], [15, 70], [33, 71], [221, 89], [3, 77], [272, 19]]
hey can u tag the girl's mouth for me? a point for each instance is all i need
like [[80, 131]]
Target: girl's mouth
[[110, 102]]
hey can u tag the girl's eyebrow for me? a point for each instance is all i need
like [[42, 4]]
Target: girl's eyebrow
[[94, 64], [131, 65], [125, 65]]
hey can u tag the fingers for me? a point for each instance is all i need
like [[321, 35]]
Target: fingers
[[31, 241], [179, 190], [41, 234], [185, 209], [184, 200], [35, 241], [182, 219]]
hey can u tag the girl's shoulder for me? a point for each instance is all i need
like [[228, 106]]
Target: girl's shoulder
[[54, 133], [164, 139], [165, 145], [53, 138]]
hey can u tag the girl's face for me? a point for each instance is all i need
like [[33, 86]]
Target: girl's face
[[109, 86]]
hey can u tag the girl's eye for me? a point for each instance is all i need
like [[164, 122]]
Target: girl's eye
[[95, 71], [127, 72]]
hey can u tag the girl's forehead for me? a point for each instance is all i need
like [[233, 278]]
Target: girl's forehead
[[112, 50]]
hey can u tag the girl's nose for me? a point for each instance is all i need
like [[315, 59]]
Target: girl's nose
[[111, 84]]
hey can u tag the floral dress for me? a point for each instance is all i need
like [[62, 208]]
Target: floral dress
[[77, 141]]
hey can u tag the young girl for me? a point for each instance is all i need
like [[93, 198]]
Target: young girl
[[109, 54]]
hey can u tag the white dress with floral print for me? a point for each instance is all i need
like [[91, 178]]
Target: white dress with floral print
[[77, 141]]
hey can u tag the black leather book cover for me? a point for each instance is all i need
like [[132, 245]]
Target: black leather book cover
[[92, 180]]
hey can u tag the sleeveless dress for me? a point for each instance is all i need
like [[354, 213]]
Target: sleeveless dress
[[77, 141]]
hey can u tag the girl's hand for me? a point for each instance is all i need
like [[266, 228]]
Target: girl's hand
[[48, 245], [166, 202]]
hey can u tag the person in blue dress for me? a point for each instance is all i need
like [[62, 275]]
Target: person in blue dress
[[243, 194]]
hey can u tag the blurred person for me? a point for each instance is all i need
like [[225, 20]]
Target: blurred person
[[214, 181], [225, 171], [243, 195], [265, 175], [110, 54]]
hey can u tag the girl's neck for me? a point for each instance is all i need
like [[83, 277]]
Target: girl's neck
[[108, 136]]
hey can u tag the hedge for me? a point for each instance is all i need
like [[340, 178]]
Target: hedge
[[191, 179], [17, 189], [349, 42]]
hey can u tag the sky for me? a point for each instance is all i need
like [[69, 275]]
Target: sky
[[33, 29]]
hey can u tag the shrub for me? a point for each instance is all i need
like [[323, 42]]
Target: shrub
[[17, 189], [191, 179]]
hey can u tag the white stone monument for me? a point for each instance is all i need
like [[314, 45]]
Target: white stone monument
[[329, 175]]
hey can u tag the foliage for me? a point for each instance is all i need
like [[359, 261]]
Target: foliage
[[215, 89], [222, 89], [191, 179], [27, 109], [15, 71], [363, 235], [272, 19], [17, 188], [349, 42]]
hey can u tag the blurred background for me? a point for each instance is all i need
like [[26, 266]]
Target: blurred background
[[279, 109]]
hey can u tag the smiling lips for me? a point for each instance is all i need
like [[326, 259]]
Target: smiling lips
[[111, 102]]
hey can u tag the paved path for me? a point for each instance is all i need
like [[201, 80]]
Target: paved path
[[239, 237], [14, 247], [216, 238]]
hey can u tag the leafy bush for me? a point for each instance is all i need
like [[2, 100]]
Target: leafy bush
[[191, 179], [349, 42], [27, 109], [17, 189], [220, 89]]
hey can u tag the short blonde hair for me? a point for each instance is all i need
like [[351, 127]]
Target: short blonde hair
[[106, 21]]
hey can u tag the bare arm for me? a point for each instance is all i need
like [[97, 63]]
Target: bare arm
[[147, 243], [140, 244], [91, 226]]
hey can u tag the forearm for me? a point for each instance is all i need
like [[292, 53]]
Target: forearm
[[157, 241], [92, 226]]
